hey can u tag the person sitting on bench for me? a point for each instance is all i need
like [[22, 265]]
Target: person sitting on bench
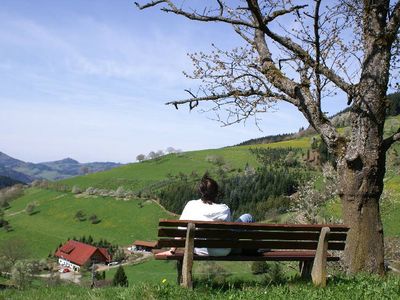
[[207, 209]]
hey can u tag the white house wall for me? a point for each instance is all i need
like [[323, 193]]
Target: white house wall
[[67, 264]]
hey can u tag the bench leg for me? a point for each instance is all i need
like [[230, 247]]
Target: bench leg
[[188, 257], [318, 272], [179, 270], [305, 269]]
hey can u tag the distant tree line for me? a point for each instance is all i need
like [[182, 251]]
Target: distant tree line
[[157, 154], [268, 139], [342, 118], [7, 181]]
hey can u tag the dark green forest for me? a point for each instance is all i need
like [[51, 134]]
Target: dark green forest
[[255, 191]]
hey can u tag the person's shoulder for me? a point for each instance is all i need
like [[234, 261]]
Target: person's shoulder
[[193, 202], [224, 206]]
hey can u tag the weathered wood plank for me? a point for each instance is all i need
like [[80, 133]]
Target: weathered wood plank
[[187, 265], [267, 256], [318, 272], [250, 244], [242, 226], [251, 234]]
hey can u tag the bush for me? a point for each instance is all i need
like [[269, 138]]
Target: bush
[[119, 255], [80, 215], [215, 159], [76, 190], [214, 272], [94, 220], [259, 267], [90, 190], [120, 278], [23, 272], [274, 274], [30, 208], [120, 192]]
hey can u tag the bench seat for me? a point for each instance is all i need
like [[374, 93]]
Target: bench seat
[[265, 256], [310, 245]]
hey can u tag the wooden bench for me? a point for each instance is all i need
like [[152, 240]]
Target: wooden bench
[[308, 244]]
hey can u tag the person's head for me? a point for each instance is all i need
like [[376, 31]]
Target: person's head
[[208, 189]]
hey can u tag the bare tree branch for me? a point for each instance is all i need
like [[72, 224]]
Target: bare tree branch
[[308, 60], [204, 18], [394, 23], [243, 35], [282, 12], [389, 141], [284, 41], [221, 7], [150, 4], [317, 46], [235, 93]]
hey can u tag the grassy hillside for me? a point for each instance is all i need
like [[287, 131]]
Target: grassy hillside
[[121, 221], [124, 221], [138, 175]]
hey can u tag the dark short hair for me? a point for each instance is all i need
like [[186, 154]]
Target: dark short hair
[[208, 188]]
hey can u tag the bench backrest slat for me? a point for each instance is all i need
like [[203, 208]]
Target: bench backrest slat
[[254, 226], [251, 234], [250, 244]]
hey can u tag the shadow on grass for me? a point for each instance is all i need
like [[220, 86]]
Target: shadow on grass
[[34, 212]]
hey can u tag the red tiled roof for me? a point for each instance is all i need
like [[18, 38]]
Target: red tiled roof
[[145, 244], [79, 253], [104, 251]]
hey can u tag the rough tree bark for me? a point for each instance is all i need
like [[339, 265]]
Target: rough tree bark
[[360, 158]]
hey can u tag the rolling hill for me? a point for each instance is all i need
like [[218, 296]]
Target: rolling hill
[[54, 170], [136, 176], [124, 221], [54, 220]]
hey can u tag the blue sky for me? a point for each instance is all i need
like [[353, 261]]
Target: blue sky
[[88, 79]]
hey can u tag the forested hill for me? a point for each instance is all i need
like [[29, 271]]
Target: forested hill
[[338, 119], [7, 181], [54, 170]]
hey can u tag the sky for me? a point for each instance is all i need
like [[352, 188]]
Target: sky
[[89, 79]]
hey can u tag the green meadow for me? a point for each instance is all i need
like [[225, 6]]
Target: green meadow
[[122, 222], [136, 176]]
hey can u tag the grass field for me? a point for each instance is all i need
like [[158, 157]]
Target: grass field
[[152, 271], [339, 288], [121, 221], [138, 175]]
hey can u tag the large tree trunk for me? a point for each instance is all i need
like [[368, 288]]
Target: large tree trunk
[[361, 168], [361, 161]]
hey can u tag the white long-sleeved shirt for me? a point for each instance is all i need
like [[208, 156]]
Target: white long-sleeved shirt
[[197, 210]]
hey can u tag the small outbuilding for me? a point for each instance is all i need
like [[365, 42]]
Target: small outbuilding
[[143, 246]]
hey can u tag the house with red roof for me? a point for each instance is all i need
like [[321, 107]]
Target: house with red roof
[[74, 255]]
